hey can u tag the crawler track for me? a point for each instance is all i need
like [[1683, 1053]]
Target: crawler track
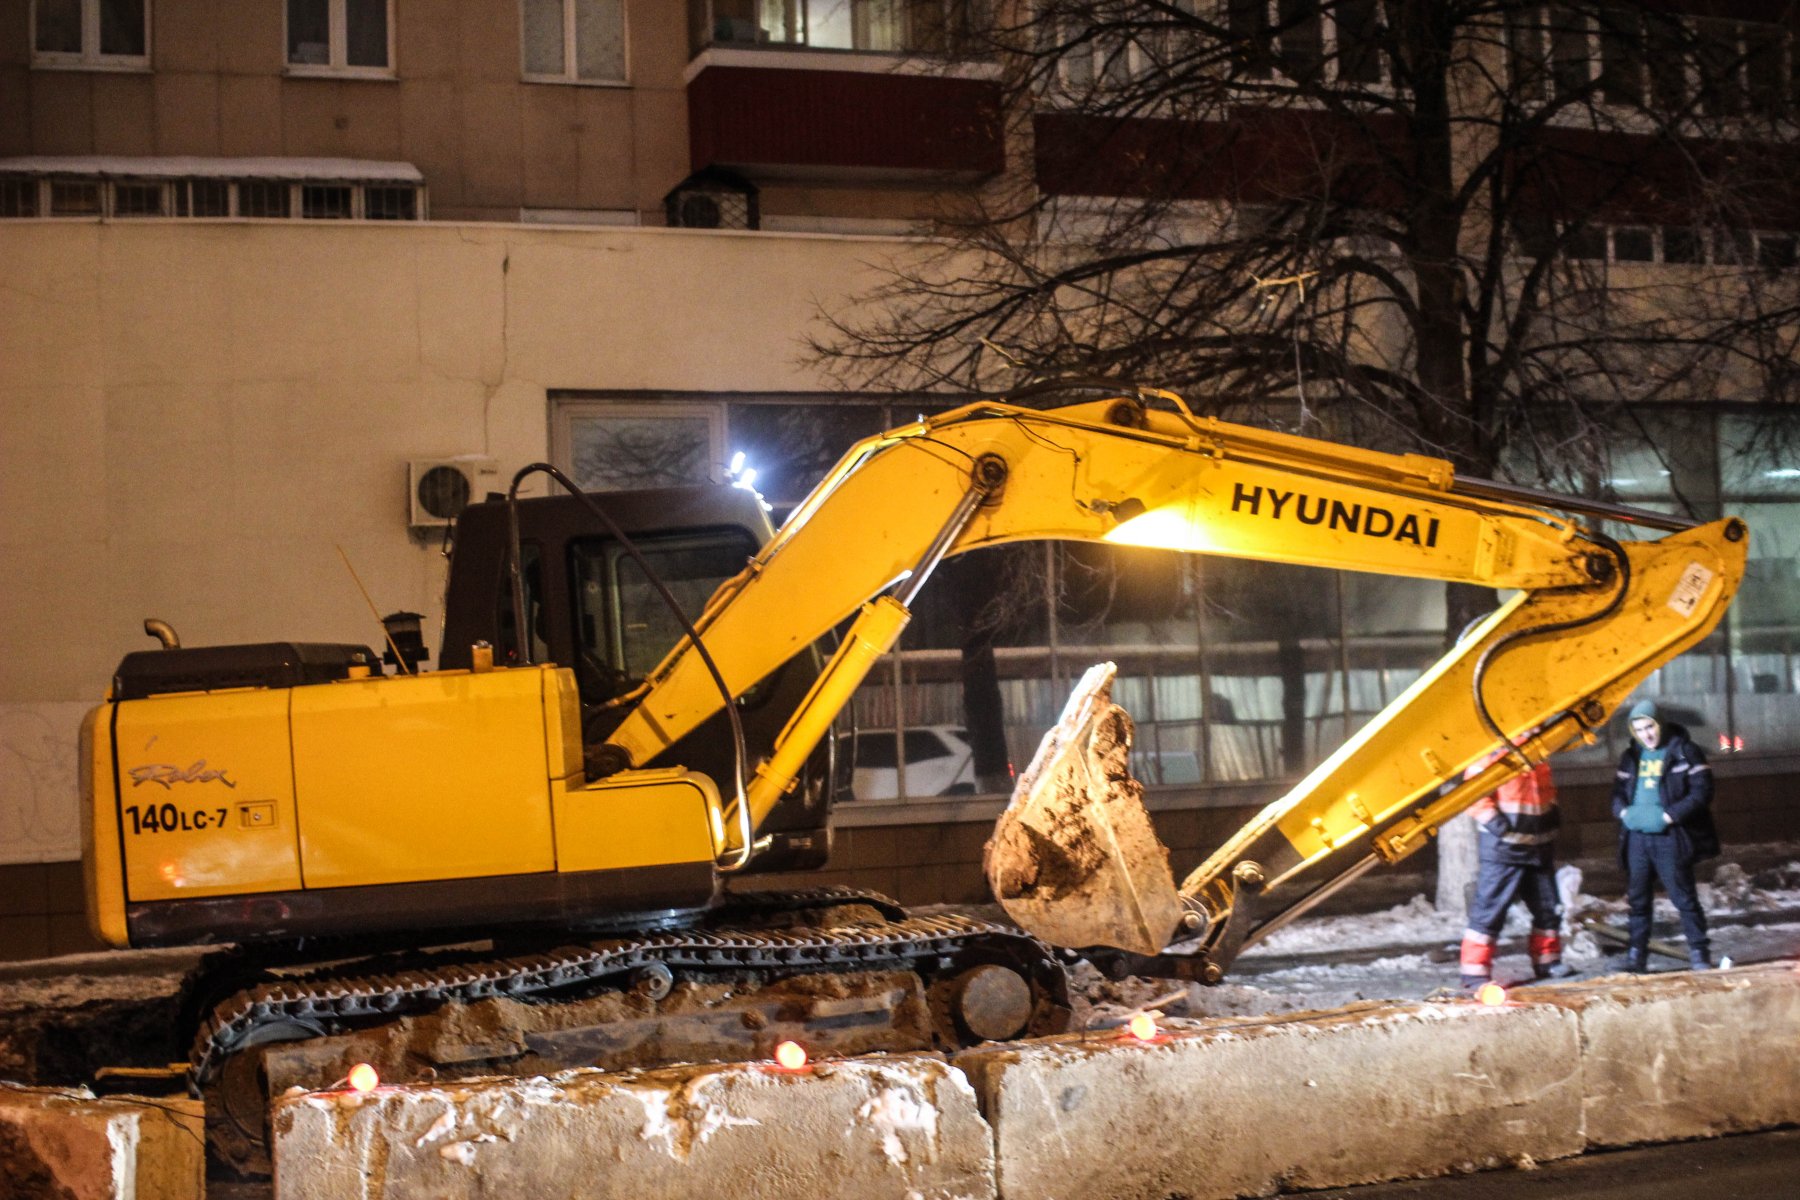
[[360, 995]]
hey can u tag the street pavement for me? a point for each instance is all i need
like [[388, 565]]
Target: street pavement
[[1749, 1165]]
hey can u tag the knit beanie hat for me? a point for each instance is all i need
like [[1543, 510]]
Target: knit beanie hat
[[1645, 708]]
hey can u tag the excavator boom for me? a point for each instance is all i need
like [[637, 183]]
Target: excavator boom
[[1591, 617]]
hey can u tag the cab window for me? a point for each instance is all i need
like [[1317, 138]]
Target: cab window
[[508, 650], [622, 626]]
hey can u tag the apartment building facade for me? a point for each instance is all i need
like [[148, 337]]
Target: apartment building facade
[[552, 111]]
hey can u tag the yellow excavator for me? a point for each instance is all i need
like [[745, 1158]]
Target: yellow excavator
[[524, 859]]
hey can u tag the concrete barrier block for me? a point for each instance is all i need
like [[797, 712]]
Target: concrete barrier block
[[901, 1126], [64, 1144], [1686, 1055], [1243, 1107]]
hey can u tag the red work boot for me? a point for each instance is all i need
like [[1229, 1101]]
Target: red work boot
[[1477, 958]]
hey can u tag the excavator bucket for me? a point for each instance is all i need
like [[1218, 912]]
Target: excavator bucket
[[1073, 859]]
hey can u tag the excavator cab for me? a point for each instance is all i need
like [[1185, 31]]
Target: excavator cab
[[592, 609]]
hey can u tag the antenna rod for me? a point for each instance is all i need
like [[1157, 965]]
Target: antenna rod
[[399, 659]]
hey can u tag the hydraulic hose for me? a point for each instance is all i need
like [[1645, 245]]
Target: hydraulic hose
[[1622, 571], [522, 634]]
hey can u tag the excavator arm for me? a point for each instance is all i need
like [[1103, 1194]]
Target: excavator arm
[[1591, 618]]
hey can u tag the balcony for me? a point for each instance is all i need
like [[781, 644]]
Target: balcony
[[840, 91]]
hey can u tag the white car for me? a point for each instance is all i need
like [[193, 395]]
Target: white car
[[939, 762]]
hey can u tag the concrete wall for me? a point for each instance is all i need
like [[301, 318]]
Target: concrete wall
[[64, 1144], [1206, 1109]]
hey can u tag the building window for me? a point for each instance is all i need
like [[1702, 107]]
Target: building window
[[340, 36], [325, 201], [1681, 244], [1734, 247], [18, 197], [1775, 252], [90, 33], [74, 198], [942, 28], [390, 204], [1649, 59], [1741, 68], [1357, 24], [1306, 41], [607, 446], [259, 198], [573, 41], [208, 198], [1674, 244], [84, 187], [1550, 51], [1719, 50], [1585, 241], [136, 198], [1633, 244], [1622, 62]]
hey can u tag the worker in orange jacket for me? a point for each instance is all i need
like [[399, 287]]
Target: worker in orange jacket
[[1517, 841]]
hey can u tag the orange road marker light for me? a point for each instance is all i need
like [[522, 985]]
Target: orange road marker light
[[1491, 994], [791, 1055], [363, 1078]]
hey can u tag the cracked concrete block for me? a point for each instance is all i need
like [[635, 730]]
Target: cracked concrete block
[[901, 1126], [1221, 1108], [64, 1144], [1684, 1055]]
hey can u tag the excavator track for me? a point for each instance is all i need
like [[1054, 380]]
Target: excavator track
[[358, 995]]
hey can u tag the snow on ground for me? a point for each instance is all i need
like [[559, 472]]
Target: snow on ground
[[1294, 968], [1731, 891]]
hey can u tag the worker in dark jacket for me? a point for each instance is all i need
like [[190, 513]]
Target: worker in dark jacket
[[1517, 826], [1662, 797]]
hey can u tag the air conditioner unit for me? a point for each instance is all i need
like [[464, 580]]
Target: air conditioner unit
[[440, 488], [713, 199]]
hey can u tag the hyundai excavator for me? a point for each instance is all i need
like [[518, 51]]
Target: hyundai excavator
[[525, 859]]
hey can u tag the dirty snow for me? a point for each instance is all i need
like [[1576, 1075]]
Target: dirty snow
[[445, 1124], [1268, 979], [1731, 890], [713, 1112], [691, 1109], [658, 1125], [897, 1109]]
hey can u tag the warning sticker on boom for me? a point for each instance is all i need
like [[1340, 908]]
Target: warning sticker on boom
[[1690, 588]]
